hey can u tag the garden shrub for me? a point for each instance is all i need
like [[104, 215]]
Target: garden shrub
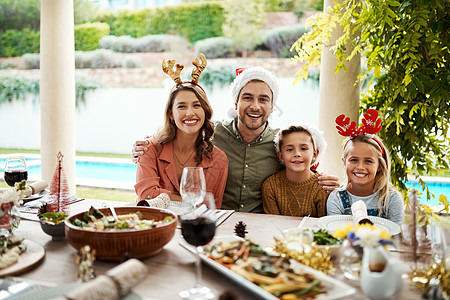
[[123, 44], [217, 47], [131, 63], [222, 75], [83, 85], [88, 35], [148, 43], [194, 21], [15, 43], [160, 43], [8, 64], [17, 88], [31, 61], [107, 42], [280, 40], [98, 59], [82, 60]]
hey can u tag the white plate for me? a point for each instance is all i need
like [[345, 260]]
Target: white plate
[[36, 196], [331, 223], [336, 290]]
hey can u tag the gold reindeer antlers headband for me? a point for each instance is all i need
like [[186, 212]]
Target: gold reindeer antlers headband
[[199, 65]]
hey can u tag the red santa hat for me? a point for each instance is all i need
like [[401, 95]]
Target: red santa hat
[[245, 75]]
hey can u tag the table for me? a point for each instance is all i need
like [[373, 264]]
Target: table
[[172, 270]]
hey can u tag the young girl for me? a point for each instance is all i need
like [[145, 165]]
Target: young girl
[[367, 168], [295, 190]]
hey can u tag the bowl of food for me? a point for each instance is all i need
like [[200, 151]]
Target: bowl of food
[[295, 239], [138, 232], [325, 240], [52, 223]]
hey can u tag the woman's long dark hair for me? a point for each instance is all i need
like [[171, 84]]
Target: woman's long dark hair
[[168, 131]]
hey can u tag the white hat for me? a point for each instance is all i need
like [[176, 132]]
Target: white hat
[[245, 75], [318, 140]]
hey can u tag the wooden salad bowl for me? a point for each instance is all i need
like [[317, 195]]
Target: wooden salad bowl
[[121, 245]]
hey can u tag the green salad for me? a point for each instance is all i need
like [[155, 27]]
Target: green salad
[[323, 237], [53, 217], [95, 220]]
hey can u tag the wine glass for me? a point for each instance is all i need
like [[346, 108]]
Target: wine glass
[[15, 170], [192, 186], [198, 226]]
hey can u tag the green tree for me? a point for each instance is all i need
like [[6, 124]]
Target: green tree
[[405, 46], [20, 14], [84, 11], [244, 21]]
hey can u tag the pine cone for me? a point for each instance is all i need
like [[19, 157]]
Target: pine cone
[[239, 229], [228, 295], [42, 210]]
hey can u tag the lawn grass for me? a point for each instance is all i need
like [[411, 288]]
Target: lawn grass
[[106, 194], [98, 193]]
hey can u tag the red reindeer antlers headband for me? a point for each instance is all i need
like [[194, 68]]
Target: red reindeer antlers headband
[[371, 126]]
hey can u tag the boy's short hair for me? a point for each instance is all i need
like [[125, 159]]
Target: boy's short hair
[[318, 141]]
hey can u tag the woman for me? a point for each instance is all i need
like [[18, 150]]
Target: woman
[[183, 141]]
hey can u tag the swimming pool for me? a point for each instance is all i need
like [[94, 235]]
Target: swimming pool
[[436, 188], [112, 173]]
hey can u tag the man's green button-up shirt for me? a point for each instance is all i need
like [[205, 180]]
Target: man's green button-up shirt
[[249, 165]]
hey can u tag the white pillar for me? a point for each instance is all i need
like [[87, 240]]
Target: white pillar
[[338, 94], [57, 92]]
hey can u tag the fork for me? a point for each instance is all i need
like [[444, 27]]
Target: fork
[[302, 223]]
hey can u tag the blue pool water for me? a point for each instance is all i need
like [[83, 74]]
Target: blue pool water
[[436, 188], [92, 170]]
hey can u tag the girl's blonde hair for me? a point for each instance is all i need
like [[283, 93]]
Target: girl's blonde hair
[[382, 178]]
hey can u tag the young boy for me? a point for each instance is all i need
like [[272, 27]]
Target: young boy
[[295, 191]]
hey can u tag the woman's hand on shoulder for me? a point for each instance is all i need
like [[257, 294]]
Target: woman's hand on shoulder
[[328, 182], [139, 147]]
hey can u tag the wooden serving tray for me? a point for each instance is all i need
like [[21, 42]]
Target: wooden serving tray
[[32, 257]]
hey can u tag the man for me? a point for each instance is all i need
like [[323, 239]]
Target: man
[[248, 141]]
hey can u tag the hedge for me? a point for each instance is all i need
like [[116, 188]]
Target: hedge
[[18, 42], [88, 35], [15, 43], [194, 21], [148, 43], [281, 39], [217, 47], [97, 59]]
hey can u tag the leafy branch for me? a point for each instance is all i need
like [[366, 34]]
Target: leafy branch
[[405, 47]]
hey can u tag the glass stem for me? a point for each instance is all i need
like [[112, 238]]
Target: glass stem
[[198, 269]]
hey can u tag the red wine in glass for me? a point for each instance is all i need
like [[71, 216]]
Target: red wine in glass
[[198, 226], [199, 231], [13, 176], [15, 170]]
